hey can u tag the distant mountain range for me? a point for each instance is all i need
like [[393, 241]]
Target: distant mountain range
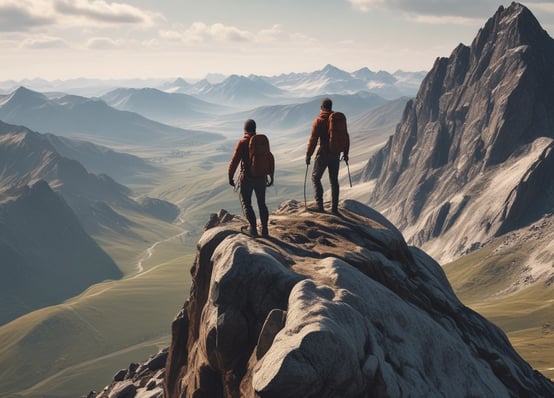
[[302, 113], [92, 118], [263, 90], [27, 157], [239, 91], [172, 108], [122, 167]]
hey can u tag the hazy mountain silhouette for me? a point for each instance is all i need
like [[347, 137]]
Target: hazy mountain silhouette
[[472, 156], [45, 255], [27, 156], [332, 80], [72, 115], [98, 159], [238, 90], [162, 106], [302, 114]]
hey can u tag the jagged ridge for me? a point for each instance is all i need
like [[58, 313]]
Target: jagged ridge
[[484, 109]]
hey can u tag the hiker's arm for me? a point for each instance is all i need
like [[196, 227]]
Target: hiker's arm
[[235, 160], [312, 143], [346, 149]]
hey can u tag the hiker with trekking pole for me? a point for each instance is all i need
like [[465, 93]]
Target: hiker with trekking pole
[[330, 132], [257, 167]]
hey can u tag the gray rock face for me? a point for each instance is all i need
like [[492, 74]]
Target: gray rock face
[[332, 306], [485, 109]]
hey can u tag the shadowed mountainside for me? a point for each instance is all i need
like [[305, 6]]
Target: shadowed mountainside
[[45, 255]]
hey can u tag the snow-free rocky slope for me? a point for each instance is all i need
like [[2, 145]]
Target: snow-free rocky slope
[[328, 306], [472, 157]]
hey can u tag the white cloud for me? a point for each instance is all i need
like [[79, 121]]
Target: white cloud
[[443, 20], [44, 42], [103, 43], [200, 34], [100, 11], [26, 15], [366, 5], [543, 6], [459, 12]]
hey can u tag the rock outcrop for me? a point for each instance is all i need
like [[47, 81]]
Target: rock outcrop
[[330, 306], [469, 158]]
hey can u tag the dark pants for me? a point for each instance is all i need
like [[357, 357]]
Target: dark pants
[[322, 162], [256, 185]]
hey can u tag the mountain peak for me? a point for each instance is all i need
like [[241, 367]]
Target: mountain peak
[[475, 115], [23, 96], [509, 28]]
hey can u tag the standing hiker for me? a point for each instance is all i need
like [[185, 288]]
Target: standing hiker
[[329, 129], [257, 164]]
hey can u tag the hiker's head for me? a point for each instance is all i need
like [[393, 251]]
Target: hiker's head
[[250, 126], [326, 104]]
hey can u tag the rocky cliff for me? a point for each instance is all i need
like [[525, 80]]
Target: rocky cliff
[[471, 156], [328, 306]]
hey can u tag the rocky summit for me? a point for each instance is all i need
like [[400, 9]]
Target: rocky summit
[[327, 306], [471, 158]]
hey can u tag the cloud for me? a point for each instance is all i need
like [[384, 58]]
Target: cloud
[[22, 16], [459, 12], [26, 15], [200, 33], [44, 42], [100, 11], [547, 7], [103, 43]]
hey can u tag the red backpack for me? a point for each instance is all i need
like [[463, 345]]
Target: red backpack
[[339, 141], [262, 162]]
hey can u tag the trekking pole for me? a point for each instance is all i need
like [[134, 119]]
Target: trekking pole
[[348, 169], [305, 178]]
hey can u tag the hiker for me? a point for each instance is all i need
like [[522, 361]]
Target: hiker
[[327, 156], [250, 179]]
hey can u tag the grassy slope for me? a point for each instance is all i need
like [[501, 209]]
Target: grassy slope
[[526, 316], [77, 346]]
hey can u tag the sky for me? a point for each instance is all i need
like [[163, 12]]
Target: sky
[[66, 39]]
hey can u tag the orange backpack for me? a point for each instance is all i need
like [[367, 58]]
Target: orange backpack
[[262, 162], [339, 141]]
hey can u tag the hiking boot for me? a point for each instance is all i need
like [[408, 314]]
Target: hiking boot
[[335, 211], [318, 208], [249, 231], [265, 232]]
